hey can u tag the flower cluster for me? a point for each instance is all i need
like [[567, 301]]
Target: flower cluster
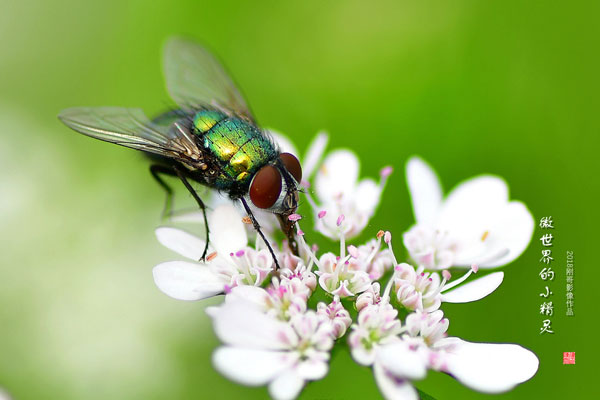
[[387, 311]]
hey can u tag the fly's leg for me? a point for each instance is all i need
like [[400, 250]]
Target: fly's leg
[[156, 170], [256, 226], [181, 175]]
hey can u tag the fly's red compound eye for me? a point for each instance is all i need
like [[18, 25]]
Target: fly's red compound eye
[[292, 164], [265, 187]]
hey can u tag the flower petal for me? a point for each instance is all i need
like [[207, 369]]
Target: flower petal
[[393, 388], [483, 191], [337, 176], [253, 294], [312, 369], [187, 281], [195, 217], [400, 361], [180, 242], [286, 386], [471, 205], [474, 290], [240, 323], [488, 367], [363, 356], [227, 232], [491, 231], [425, 190], [513, 231], [494, 237], [249, 366], [367, 196], [313, 154]]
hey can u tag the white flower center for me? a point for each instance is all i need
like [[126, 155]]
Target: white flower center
[[431, 248]]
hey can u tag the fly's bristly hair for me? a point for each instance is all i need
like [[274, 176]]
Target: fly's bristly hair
[[270, 138]]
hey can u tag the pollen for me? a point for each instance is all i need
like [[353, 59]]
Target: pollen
[[485, 235], [211, 256], [247, 220]]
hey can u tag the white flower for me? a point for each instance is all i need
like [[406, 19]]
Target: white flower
[[371, 258], [346, 205], [293, 268], [229, 263], [425, 291], [374, 341], [431, 327], [336, 276], [417, 290], [475, 224], [377, 325], [285, 297], [279, 300], [369, 297], [348, 275], [490, 368], [337, 314], [260, 349], [271, 337]]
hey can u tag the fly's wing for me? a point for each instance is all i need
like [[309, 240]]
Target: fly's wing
[[131, 128], [196, 79]]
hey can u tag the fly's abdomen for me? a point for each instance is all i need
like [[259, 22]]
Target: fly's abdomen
[[241, 147]]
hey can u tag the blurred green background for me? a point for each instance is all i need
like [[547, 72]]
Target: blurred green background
[[509, 88]]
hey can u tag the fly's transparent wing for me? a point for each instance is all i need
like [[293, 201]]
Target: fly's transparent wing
[[195, 78], [129, 127]]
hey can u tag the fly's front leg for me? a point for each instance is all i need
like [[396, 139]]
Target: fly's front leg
[[256, 226], [181, 175], [156, 170]]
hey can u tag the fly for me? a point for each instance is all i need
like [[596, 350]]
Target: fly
[[211, 139]]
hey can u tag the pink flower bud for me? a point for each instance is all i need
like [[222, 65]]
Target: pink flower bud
[[353, 251], [295, 217], [387, 237], [386, 171]]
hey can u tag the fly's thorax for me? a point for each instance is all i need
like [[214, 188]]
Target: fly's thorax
[[205, 120], [240, 147]]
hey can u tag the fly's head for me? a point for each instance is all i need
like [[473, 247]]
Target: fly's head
[[274, 187]]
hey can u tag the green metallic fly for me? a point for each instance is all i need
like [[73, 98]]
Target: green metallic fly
[[212, 139]]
